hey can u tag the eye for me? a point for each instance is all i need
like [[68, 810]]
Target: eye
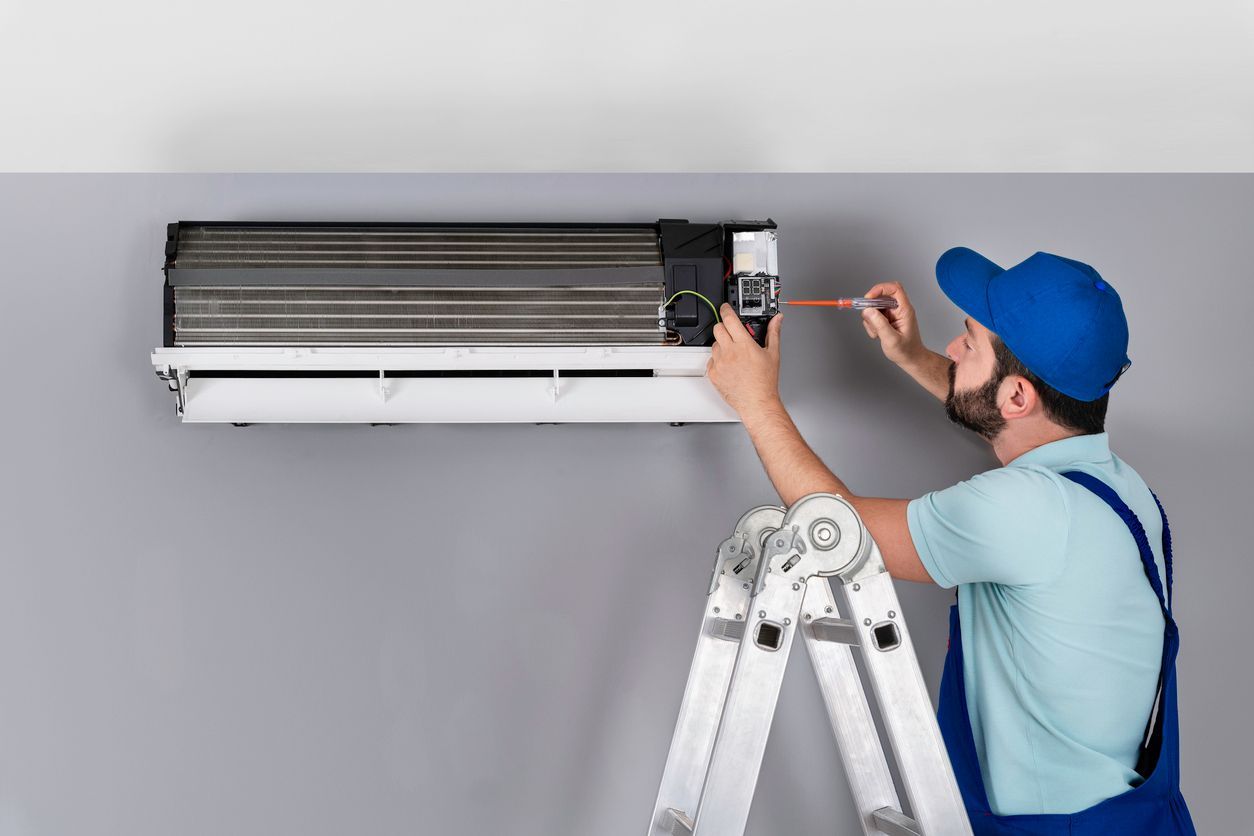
[[967, 343]]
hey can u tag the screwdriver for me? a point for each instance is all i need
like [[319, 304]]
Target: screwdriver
[[857, 303]]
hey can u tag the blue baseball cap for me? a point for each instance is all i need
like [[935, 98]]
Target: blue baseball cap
[[1059, 317]]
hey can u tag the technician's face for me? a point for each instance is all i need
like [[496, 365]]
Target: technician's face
[[972, 354]]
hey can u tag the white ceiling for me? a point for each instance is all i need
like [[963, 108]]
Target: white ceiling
[[700, 85]]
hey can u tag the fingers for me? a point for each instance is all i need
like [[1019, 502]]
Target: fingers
[[894, 290], [732, 325], [875, 322], [720, 334], [885, 289], [882, 327], [866, 326], [773, 329]]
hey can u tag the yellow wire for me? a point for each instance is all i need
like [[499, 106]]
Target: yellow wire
[[699, 296]]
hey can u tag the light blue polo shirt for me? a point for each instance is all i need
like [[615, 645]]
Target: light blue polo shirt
[[1061, 633]]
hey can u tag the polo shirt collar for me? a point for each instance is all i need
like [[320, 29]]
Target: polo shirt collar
[[1067, 451]]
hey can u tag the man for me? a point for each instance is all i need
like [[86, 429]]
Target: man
[[1065, 632]]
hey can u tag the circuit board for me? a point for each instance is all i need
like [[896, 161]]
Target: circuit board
[[756, 300]]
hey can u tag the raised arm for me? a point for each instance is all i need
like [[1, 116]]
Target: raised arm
[[748, 378], [897, 329]]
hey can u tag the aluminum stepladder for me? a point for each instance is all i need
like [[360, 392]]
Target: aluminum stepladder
[[770, 578]]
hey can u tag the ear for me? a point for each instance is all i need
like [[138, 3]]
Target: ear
[[1017, 398]]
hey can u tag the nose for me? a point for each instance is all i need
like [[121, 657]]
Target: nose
[[951, 350]]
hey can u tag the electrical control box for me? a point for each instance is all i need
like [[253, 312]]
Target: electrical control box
[[753, 281]]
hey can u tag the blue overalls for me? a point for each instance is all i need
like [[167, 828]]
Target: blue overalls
[[1154, 807]]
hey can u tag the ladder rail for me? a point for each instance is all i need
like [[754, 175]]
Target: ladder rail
[[710, 675], [905, 706], [749, 710], [848, 711], [699, 714]]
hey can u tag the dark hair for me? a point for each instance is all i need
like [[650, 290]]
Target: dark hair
[[1085, 417]]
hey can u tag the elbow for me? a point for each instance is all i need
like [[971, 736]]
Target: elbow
[[790, 498]]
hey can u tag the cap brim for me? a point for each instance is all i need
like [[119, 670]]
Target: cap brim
[[964, 276]]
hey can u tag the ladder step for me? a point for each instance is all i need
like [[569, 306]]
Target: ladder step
[[840, 630], [677, 823], [726, 628], [895, 823]]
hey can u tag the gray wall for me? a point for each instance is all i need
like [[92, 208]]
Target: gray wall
[[478, 629]]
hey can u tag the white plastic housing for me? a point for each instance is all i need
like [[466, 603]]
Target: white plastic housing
[[676, 391]]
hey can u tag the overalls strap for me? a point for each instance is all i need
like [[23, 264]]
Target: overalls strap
[[1108, 495], [1149, 751], [1166, 545]]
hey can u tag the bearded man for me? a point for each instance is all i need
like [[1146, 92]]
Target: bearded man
[[1058, 700]]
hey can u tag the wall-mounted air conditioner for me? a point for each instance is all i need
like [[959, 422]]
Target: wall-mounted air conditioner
[[401, 323]]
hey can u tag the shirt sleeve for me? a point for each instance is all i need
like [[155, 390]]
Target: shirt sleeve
[[1006, 526]]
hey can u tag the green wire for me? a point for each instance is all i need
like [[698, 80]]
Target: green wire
[[699, 296]]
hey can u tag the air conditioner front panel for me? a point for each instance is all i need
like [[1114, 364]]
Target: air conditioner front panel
[[447, 322]]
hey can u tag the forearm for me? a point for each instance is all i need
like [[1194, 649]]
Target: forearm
[[790, 464], [931, 371], [796, 471]]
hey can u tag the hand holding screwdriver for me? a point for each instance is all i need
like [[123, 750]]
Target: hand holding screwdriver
[[895, 327]]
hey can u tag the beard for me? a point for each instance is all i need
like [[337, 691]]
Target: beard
[[976, 409]]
